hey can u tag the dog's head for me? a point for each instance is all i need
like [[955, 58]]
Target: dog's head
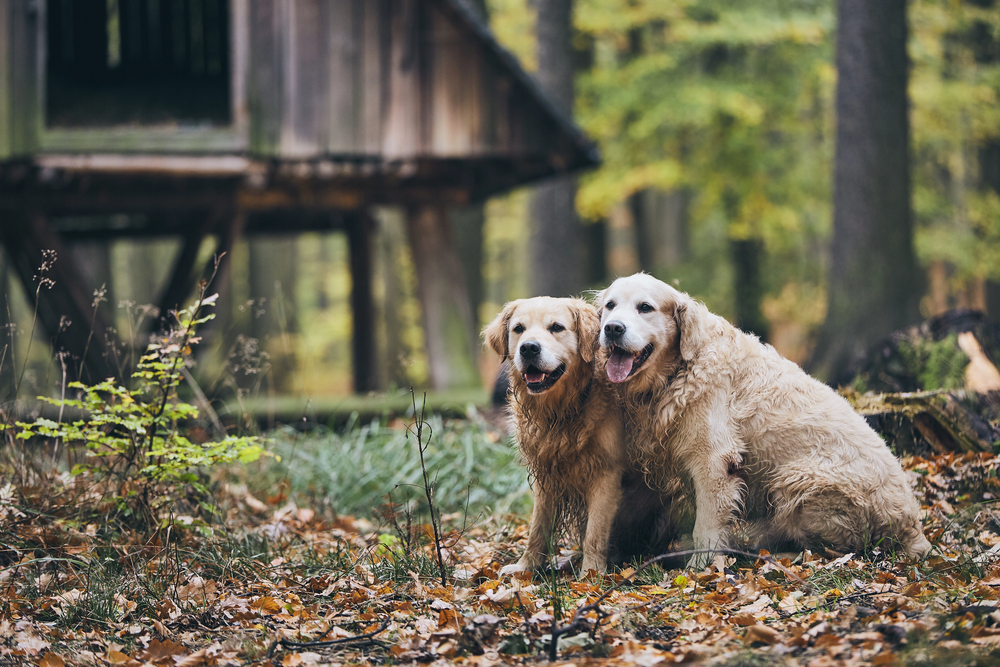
[[546, 338], [647, 328]]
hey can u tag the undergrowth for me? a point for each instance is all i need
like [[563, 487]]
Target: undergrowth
[[351, 471]]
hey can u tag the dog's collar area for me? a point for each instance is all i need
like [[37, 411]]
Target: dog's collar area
[[538, 381]]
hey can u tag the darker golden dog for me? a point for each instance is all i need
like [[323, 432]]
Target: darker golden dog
[[569, 431]]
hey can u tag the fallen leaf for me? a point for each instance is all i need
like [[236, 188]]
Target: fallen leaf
[[51, 660], [116, 657], [743, 619], [763, 634], [161, 651]]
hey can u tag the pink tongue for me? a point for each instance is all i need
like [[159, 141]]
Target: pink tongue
[[532, 378], [619, 365]]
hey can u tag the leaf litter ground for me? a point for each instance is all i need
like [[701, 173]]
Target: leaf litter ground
[[287, 584]]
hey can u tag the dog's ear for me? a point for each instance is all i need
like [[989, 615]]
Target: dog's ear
[[495, 332], [599, 304], [692, 327], [588, 329]]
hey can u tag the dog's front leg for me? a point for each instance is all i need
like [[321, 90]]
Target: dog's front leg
[[717, 489], [541, 534], [603, 499]]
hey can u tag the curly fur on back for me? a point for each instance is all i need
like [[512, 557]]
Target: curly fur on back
[[758, 437]]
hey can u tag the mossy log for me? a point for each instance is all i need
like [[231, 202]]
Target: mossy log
[[932, 421]]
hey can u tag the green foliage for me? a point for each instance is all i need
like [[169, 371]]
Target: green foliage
[[936, 364], [733, 103], [350, 471], [955, 94], [730, 101], [135, 436]]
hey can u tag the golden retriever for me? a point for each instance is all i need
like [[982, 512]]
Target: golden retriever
[[569, 432], [753, 432]]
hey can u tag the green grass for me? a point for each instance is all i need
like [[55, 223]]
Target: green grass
[[350, 471]]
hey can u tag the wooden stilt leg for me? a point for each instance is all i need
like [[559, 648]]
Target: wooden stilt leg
[[446, 313], [359, 233], [64, 301]]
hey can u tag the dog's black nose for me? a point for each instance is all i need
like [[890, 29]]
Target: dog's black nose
[[530, 348], [614, 329]]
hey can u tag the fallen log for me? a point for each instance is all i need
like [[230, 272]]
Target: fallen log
[[925, 421]]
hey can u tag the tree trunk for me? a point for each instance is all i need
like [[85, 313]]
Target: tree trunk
[[661, 220], [874, 281], [622, 245], [557, 244], [450, 334], [748, 287]]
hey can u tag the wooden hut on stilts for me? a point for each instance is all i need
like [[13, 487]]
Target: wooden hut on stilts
[[221, 119]]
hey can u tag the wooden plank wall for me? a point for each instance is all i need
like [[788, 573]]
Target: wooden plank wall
[[394, 79], [265, 78], [20, 103], [390, 79]]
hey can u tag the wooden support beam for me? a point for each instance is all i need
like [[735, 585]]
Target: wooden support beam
[[64, 300], [229, 230], [182, 277], [449, 326], [8, 379], [363, 348]]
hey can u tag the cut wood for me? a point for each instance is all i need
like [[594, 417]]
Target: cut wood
[[915, 422]]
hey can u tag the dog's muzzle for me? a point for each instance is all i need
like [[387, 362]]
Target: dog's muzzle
[[622, 362], [538, 380]]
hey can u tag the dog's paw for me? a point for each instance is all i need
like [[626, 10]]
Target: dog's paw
[[514, 568], [699, 561], [592, 565]]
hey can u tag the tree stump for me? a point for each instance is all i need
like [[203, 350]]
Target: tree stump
[[932, 421]]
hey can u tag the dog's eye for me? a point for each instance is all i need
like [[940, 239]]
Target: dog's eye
[[556, 328], [518, 328], [645, 308], [610, 305]]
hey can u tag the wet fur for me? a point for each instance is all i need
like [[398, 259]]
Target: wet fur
[[570, 437], [756, 436]]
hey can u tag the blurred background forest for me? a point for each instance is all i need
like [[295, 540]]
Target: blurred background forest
[[716, 126]]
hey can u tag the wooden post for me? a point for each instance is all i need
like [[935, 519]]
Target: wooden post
[[228, 230], [359, 238], [65, 304], [7, 375], [449, 327], [182, 277]]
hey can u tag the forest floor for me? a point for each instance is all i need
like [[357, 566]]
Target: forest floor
[[282, 575]]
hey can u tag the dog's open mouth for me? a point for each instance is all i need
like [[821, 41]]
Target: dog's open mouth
[[622, 364], [539, 381]]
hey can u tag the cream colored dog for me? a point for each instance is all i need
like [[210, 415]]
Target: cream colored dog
[[751, 430], [569, 432]]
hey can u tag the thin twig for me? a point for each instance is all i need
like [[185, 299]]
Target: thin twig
[[368, 636], [419, 423]]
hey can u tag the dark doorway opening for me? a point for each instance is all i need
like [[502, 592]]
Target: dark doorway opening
[[137, 62]]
